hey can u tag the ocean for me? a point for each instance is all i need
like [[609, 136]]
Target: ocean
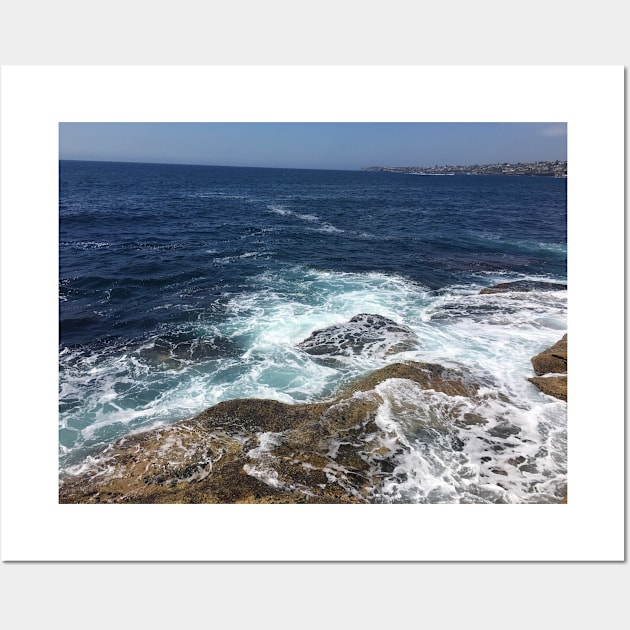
[[182, 286]]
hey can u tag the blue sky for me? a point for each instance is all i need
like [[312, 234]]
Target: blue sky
[[314, 145]]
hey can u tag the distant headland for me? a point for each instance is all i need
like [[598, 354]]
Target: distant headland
[[557, 168]]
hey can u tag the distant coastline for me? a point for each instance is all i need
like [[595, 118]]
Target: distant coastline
[[556, 168]]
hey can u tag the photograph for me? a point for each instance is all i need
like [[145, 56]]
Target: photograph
[[285, 300], [313, 312]]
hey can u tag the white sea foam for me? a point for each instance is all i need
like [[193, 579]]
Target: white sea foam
[[218, 194], [261, 466], [323, 226], [91, 245], [225, 260], [281, 210], [471, 449], [327, 228]]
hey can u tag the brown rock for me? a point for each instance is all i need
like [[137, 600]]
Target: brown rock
[[427, 375], [552, 385], [552, 360]]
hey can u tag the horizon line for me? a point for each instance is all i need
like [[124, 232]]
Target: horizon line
[[304, 168], [294, 168]]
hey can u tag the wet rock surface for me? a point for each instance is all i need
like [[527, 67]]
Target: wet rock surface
[[553, 359], [553, 362], [174, 351], [524, 286], [556, 386], [365, 334], [427, 375]]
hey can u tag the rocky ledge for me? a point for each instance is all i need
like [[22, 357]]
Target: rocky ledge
[[524, 286], [265, 451], [551, 369], [262, 451]]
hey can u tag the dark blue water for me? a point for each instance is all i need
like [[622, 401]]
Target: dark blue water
[[134, 237], [181, 286]]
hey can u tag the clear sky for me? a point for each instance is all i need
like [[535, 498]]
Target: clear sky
[[314, 145]]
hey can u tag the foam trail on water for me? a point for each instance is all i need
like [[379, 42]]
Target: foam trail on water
[[323, 226]]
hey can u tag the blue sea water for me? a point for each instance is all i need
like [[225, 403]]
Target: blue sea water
[[182, 286]]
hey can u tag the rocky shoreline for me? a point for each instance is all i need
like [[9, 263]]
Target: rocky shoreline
[[265, 451], [223, 455]]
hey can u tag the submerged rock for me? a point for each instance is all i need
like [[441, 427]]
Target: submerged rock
[[365, 334], [175, 351], [552, 361], [524, 286]]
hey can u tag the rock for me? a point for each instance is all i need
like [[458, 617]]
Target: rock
[[174, 351], [261, 451], [471, 419], [524, 286], [556, 386], [427, 375], [553, 359], [365, 334], [504, 430]]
